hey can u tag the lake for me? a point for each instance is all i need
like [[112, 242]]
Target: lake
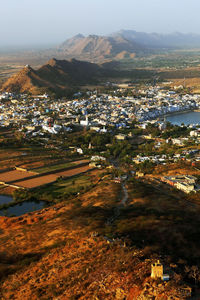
[[20, 208], [5, 199], [188, 118]]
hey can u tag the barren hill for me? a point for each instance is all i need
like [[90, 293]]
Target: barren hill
[[56, 76], [25, 80], [122, 44], [99, 48], [70, 251], [64, 77]]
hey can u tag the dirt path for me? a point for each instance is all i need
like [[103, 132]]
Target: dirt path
[[123, 202], [125, 198]]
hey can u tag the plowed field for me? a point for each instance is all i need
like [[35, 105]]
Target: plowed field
[[38, 181], [73, 172], [14, 175]]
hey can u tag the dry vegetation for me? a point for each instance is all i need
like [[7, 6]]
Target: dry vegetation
[[70, 251]]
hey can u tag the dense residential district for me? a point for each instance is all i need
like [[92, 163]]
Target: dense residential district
[[138, 120]]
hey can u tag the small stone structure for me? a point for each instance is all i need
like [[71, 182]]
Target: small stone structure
[[157, 270]]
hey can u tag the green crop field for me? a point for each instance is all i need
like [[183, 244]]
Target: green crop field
[[55, 167], [64, 188]]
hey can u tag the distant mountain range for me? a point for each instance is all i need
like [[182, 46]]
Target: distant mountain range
[[175, 40], [99, 55], [96, 47], [122, 45]]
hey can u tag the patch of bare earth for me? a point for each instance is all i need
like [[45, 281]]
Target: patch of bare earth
[[60, 253]]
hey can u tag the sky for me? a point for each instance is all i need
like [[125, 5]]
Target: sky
[[47, 22]]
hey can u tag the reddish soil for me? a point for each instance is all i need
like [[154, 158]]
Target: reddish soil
[[73, 172], [14, 175], [35, 182], [38, 164], [45, 179], [7, 190], [5, 153], [32, 165], [80, 161], [62, 253]]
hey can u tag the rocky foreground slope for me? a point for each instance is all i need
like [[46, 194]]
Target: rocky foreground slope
[[68, 251]]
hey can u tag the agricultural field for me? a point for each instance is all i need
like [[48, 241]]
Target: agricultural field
[[38, 181], [74, 171], [64, 188], [26, 158], [30, 166], [46, 179], [56, 179], [14, 175], [58, 166]]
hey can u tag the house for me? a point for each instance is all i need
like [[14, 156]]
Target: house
[[179, 141], [79, 150], [94, 128], [98, 158], [185, 183], [84, 122], [139, 174], [185, 187], [194, 133], [120, 137]]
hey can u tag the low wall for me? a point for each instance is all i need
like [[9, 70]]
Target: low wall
[[11, 185]]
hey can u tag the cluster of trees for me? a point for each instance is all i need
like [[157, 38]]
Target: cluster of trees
[[176, 132], [120, 149], [83, 139], [21, 195]]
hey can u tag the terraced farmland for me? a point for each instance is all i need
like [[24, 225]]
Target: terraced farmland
[[37, 181], [14, 175]]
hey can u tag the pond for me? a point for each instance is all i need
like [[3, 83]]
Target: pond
[[5, 199], [23, 208]]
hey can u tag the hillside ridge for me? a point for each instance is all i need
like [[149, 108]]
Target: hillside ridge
[[55, 76]]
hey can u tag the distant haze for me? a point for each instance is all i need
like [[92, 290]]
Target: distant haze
[[48, 22]]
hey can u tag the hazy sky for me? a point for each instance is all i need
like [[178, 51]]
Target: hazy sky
[[25, 22]]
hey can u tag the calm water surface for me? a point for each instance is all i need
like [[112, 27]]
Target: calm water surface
[[22, 208], [5, 199], [188, 118]]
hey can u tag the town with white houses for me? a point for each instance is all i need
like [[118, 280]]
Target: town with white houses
[[113, 113], [95, 111]]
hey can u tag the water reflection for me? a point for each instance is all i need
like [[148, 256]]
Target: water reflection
[[23, 208]]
